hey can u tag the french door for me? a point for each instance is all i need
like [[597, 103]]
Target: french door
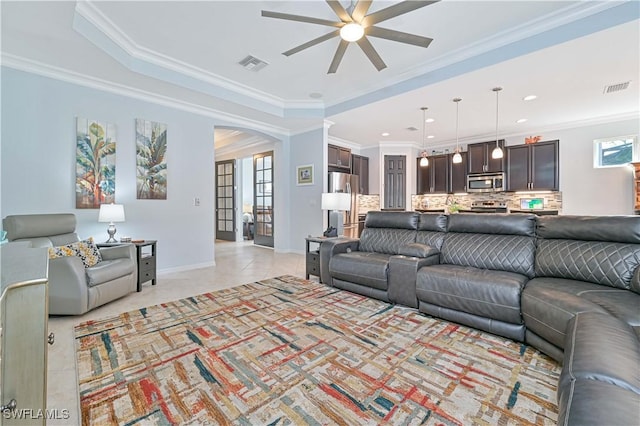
[[225, 200], [263, 198]]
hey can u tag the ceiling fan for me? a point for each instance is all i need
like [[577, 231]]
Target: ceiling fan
[[355, 25]]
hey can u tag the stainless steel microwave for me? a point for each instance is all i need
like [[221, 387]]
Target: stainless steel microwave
[[485, 182]]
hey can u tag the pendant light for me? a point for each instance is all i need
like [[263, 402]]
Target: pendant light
[[424, 161], [497, 151], [457, 157]]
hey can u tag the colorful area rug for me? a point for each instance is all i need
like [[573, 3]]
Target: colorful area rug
[[289, 351]]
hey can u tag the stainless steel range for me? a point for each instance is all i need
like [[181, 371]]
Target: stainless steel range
[[488, 207]]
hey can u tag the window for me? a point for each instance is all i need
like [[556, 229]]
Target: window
[[615, 152]]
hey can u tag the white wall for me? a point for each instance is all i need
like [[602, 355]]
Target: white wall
[[306, 214], [38, 165]]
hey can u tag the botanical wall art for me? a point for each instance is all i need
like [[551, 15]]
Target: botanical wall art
[[95, 163], [151, 162]]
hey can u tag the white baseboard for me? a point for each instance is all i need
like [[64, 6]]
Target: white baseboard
[[186, 268]]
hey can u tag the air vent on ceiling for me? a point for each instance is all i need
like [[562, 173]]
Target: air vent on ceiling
[[252, 63], [616, 87], [412, 129]]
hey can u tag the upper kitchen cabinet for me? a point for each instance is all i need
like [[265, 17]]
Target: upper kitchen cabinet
[[339, 159], [434, 178], [360, 167], [479, 157], [533, 167], [458, 174]]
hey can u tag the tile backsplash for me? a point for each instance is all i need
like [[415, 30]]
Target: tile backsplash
[[552, 200]]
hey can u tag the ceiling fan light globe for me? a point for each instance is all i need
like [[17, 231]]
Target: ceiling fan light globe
[[497, 153], [352, 32], [457, 158]]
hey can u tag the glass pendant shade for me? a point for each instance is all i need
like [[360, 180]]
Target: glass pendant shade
[[424, 161], [497, 151], [457, 157]]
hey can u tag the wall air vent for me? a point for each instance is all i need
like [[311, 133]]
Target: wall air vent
[[616, 87], [412, 129], [252, 63]]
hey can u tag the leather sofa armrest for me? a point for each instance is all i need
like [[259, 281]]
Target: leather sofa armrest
[[418, 250], [331, 247], [68, 290], [635, 281], [118, 252], [403, 273]]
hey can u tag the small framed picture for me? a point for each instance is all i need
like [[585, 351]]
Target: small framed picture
[[304, 175]]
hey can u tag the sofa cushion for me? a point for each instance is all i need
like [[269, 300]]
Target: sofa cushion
[[430, 238], [385, 240], [434, 222], [548, 304], [418, 250], [599, 262], [365, 268], [498, 223], [86, 250], [391, 220], [490, 294], [109, 270], [588, 352], [490, 251], [619, 229]]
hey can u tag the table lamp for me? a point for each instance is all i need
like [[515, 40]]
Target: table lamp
[[111, 213], [336, 202]]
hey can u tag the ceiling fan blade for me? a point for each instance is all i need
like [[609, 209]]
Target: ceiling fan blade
[[371, 53], [361, 9], [399, 36], [312, 43], [340, 11], [299, 18], [342, 47], [395, 10]]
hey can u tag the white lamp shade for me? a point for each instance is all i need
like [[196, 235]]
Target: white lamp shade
[[111, 213], [336, 201]]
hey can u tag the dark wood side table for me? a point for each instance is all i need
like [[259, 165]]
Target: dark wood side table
[[145, 257], [313, 256], [146, 262]]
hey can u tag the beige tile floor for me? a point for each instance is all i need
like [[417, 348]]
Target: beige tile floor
[[236, 264]]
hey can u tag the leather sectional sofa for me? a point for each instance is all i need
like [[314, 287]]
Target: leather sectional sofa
[[567, 285]]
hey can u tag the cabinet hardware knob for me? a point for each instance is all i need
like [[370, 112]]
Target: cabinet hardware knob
[[9, 407], [51, 339]]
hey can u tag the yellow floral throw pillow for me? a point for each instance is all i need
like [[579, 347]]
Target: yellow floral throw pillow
[[85, 250]]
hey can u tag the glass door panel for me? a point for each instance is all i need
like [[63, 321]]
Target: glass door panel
[[263, 198], [225, 200]]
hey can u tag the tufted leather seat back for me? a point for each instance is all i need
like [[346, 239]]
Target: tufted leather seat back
[[498, 242], [431, 229], [386, 232], [601, 250]]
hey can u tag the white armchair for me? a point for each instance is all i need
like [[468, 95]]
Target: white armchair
[[73, 288]]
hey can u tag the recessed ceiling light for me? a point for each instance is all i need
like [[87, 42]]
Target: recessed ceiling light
[[521, 120], [529, 98], [430, 137], [315, 95], [429, 120], [385, 134]]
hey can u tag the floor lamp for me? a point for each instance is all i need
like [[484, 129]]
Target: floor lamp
[[337, 203]]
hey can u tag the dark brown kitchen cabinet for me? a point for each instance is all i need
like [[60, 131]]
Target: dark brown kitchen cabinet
[[434, 178], [533, 167], [339, 159], [479, 157], [458, 174], [360, 167]]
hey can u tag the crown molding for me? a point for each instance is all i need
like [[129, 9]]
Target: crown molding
[[145, 61], [56, 73]]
